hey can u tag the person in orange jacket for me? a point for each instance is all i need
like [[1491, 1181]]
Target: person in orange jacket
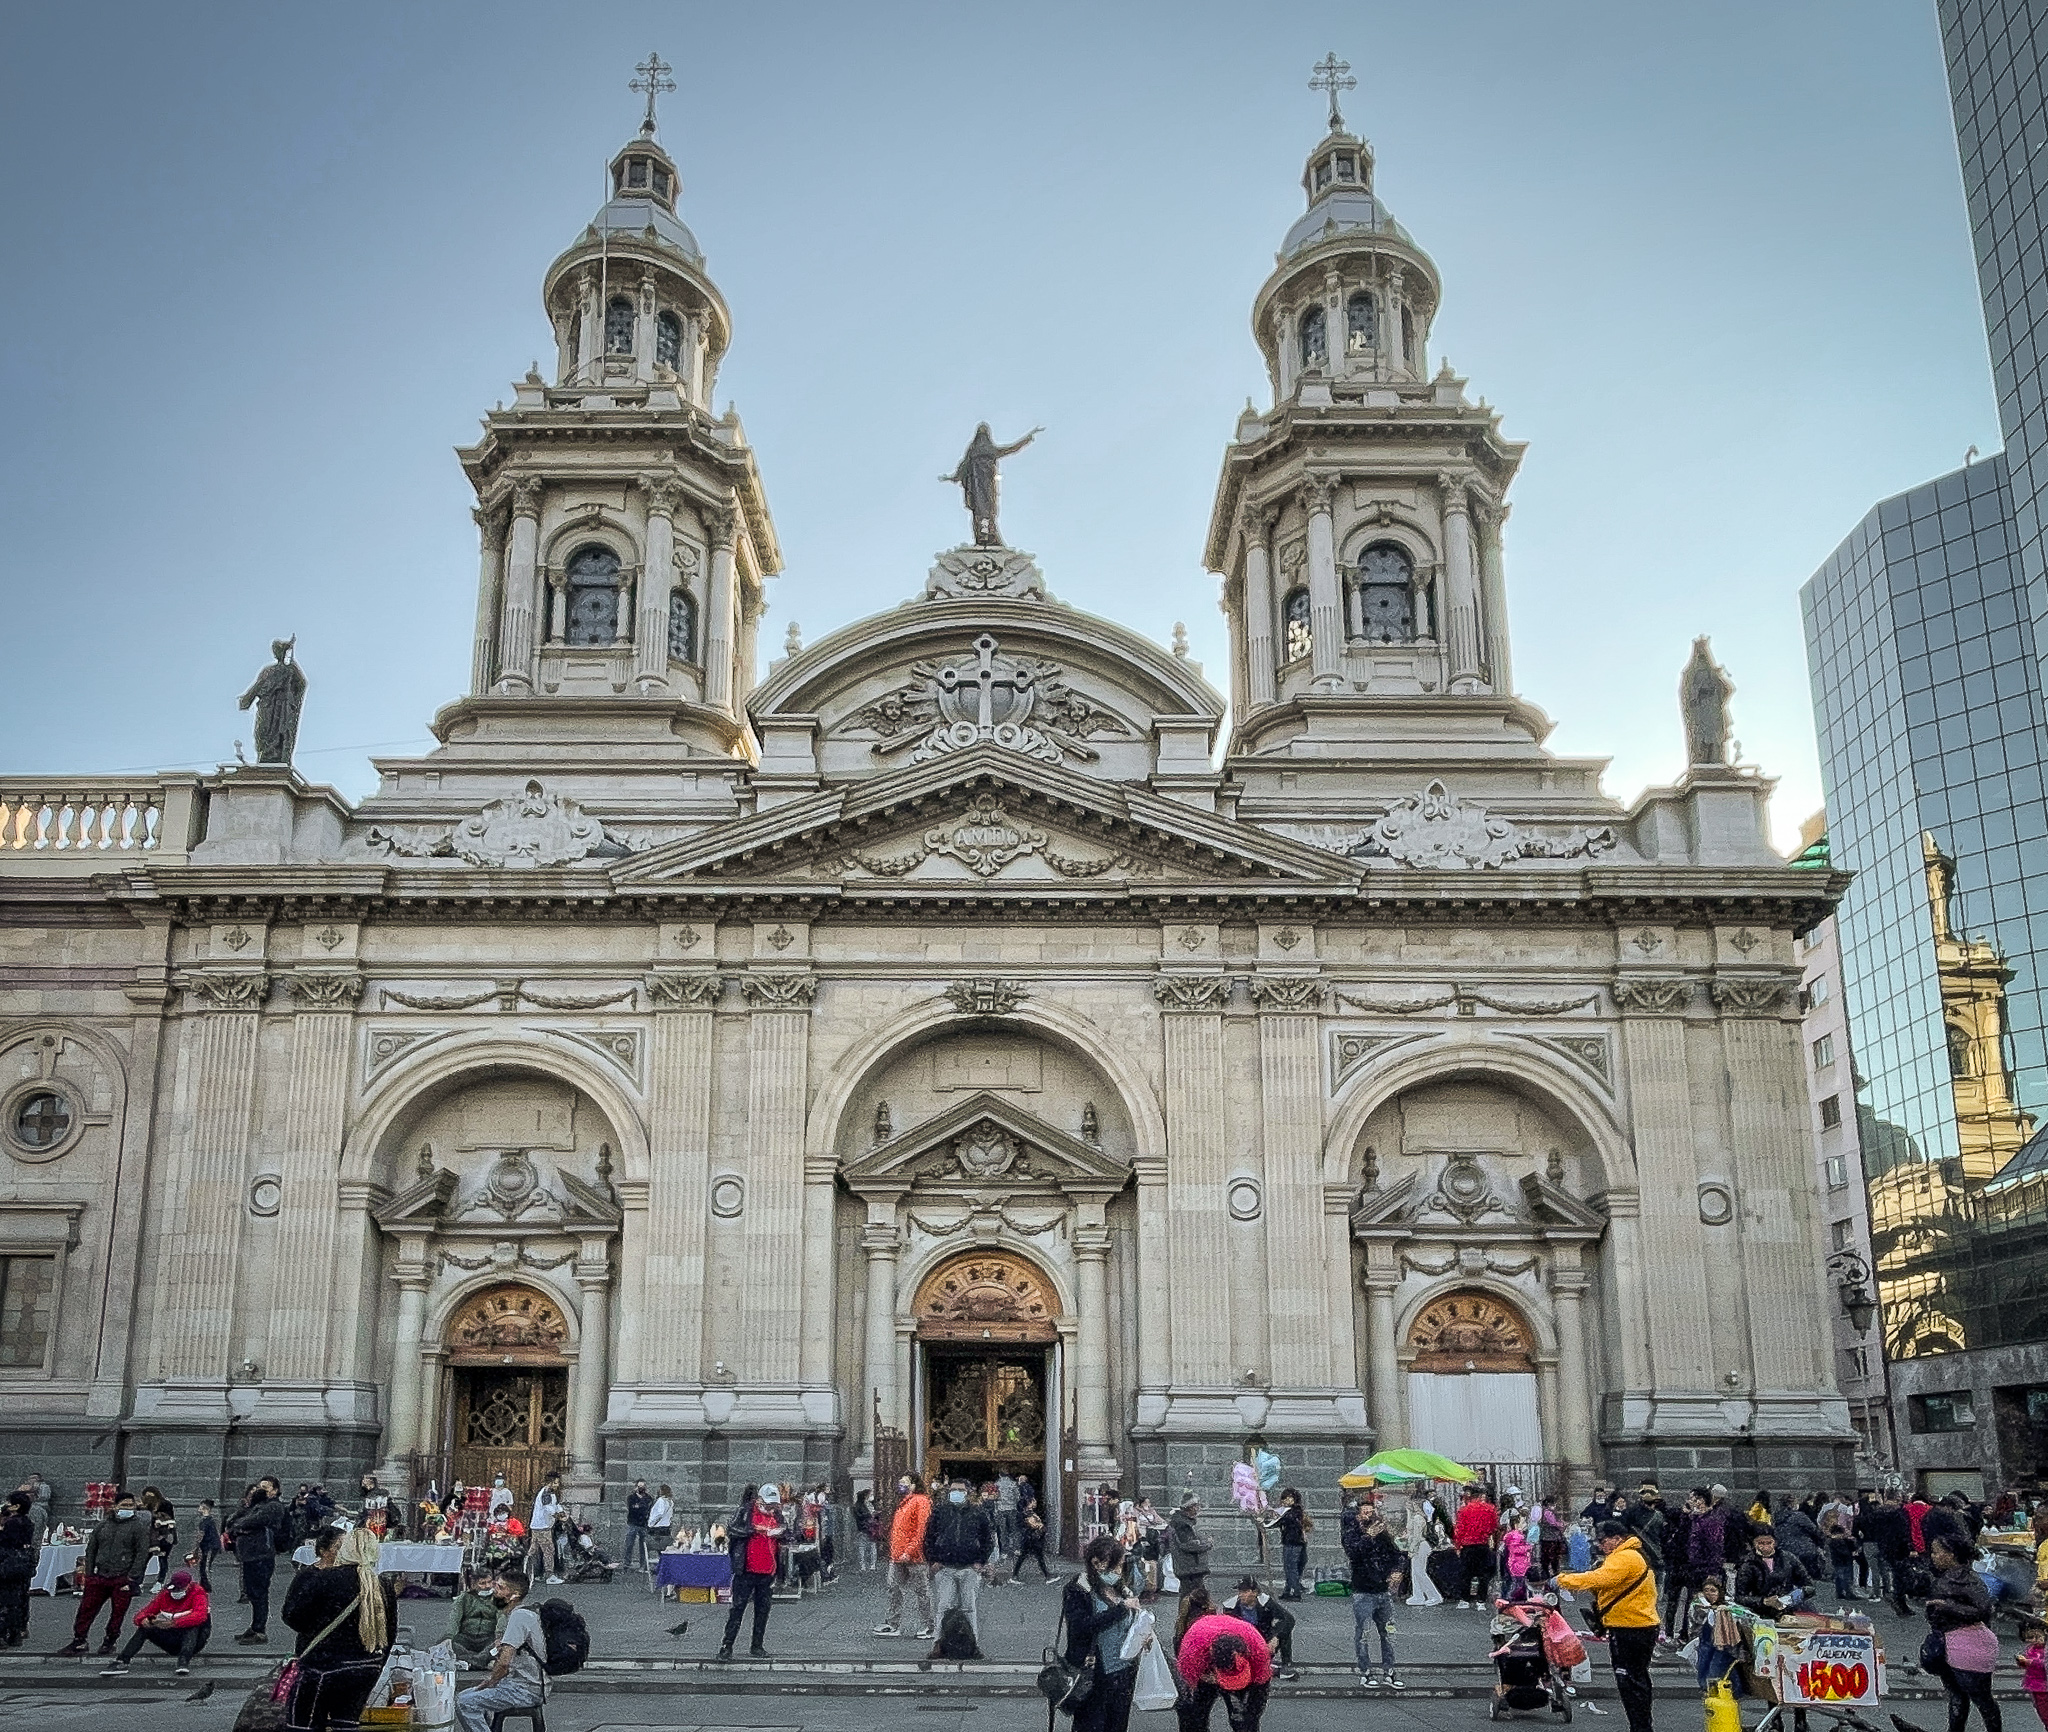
[[907, 1567]]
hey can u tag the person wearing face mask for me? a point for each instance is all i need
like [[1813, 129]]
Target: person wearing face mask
[[907, 1568], [254, 1533], [957, 1544], [177, 1619], [115, 1553], [518, 1680], [751, 1537], [1097, 1611], [346, 1616]]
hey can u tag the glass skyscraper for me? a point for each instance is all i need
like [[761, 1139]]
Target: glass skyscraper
[[1924, 634]]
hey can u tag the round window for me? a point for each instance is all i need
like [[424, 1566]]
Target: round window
[[41, 1121]]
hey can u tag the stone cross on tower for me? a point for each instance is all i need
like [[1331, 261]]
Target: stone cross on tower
[[654, 80], [1333, 75]]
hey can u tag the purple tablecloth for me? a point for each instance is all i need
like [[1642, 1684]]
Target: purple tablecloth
[[693, 1570]]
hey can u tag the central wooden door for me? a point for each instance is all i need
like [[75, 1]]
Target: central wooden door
[[987, 1412], [510, 1421]]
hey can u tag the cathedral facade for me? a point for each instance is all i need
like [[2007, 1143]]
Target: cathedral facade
[[973, 1044]]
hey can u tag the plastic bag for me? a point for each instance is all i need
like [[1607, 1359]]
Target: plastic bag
[[1169, 1583], [1137, 1635], [1155, 1688], [433, 1695]]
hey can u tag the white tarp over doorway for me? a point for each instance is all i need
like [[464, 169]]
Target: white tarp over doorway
[[1475, 1415]]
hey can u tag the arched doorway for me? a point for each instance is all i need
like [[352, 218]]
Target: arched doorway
[[986, 1327], [1472, 1382], [508, 1388]]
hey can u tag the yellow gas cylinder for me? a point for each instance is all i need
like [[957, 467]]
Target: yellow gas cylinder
[[1722, 1713]]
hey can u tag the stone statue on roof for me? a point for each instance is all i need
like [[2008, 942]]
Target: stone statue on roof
[[979, 483], [1703, 693], [278, 694]]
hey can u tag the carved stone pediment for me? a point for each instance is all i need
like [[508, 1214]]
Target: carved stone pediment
[[1435, 830], [508, 1192], [986, 1143], [981, 819]]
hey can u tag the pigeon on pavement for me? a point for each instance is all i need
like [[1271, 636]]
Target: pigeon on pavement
[[199, 1695]]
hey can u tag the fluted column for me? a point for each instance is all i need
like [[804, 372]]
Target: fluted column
[[1389, 1413], [1091, 1348], [1257, 529], [1290, 1117], [718, 611], [820, 1287], [1197, 1207], [522, 591], [882, 1241], [1155, 1322], [657, 578], [203, 1190], [1339, 1307], [1325, 596], [402, 1425], [1574, 1393], [590, 1378], [490, 593], [1461, 586], [1493, 593], [778, 1040], [316, 1116], [679, 1179]]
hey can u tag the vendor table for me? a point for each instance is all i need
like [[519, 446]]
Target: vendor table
[[693, 1570], [399, 1558], [52, 1563]]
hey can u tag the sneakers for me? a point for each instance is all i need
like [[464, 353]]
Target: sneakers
[[117, 1669], [1464, 1605], [253, 1636], [70, 1651], [888, 1630], [553, 1581], [181, 1670], [1394, 1683], [757, 1653], [927, 1635], [725, 1653], [1289, 1673], [1371, 1680]]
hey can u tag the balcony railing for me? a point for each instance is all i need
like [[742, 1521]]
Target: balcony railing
[[63, 826]]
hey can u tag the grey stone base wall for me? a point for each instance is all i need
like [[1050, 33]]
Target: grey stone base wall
[[67, 1453], [1777, 1465], [189, 1463], [705, 1472]]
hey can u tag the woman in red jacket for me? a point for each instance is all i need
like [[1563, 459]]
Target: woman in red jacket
[[178, 1620]]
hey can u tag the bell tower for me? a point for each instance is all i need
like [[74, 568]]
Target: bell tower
[[1357, 522], [625, 537]]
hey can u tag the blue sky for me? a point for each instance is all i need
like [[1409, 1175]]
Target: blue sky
[[269, 263]]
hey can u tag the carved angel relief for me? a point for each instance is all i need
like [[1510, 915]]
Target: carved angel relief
[[1014, 702]]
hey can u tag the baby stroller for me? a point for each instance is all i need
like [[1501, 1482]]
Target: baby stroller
[[1526, 1665], [585, 1562]]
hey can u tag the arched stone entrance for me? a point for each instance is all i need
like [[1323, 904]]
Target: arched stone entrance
[[507, 1375], [987, 1335], [1473, 1391]]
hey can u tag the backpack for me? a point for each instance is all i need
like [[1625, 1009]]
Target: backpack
[[956, 1638], [568, 1637]]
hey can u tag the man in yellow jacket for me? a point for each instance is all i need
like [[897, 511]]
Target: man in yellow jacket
[[1624, 1590]]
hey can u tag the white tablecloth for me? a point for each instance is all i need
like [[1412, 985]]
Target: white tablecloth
[[52, 1562], [401, 1558]]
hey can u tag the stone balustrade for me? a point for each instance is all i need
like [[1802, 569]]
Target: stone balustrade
[[58, 826]]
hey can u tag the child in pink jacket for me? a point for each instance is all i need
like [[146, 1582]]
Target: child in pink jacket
[[1514, 1554]]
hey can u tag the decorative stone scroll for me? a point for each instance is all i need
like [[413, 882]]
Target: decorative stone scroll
[[984, 996], [985, 1298], [328, 991], [985, 840], [1192, 992], [1470, 1331], [1750, 997], [779, 991], [1436, 831], [695, 991], [986, 698], [243, 991], [1272, 993], [1654, 997]]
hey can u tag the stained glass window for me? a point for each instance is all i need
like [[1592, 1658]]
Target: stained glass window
[[1315, 343], [682, 626], [593, 596], [668, 342], [1361, 322], [618, 327], [1386, 594], [1295, 613]]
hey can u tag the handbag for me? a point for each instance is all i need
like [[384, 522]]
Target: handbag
[[1064, 1687], [1596, 1613], [264, 1711], [1934, 1651]]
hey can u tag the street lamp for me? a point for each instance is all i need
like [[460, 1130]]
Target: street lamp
[[1852, 1276]]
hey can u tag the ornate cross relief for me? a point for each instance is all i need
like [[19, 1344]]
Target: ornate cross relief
[[985, 840], [987, 697], [1436, 831]]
